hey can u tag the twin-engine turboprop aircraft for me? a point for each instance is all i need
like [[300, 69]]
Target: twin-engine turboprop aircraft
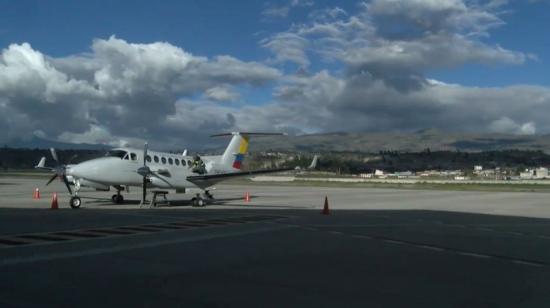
[[125, 167]]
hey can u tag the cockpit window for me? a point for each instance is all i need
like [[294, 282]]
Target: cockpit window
[[117, 153], [133, 156]]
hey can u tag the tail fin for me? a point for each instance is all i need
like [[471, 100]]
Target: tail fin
[[238, 148]]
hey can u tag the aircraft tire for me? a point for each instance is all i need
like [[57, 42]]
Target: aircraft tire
[[114, 198], [200, 202], [75, 202], [119, 199]]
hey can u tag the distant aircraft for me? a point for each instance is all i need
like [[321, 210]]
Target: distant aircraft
[[125, 167]]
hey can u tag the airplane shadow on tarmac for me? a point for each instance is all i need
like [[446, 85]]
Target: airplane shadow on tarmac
[[94, 201], [171, 202]]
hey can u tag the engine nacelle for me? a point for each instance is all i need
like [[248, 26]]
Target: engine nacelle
[[86, 183], [156, 182]]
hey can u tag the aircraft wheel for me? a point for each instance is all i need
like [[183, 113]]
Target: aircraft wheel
[[194, 202], [76, 202], [119, 199], [200, 202], [114, 198]]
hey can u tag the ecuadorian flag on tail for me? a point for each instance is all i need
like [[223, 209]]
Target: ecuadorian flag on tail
[[233, 156], [243, 148]]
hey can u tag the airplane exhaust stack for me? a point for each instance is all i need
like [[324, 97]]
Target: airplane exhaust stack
[[326, 210], [54, 202], [246, 197], [36, 193]]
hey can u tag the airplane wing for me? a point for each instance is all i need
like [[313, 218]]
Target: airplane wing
[[207, 180]]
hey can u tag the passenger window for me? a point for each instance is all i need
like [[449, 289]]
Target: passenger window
[[170, 161], [177, 161], [163, 160], [183, 162], [133, 156], [148, 158], [156, 159], [189, 163]]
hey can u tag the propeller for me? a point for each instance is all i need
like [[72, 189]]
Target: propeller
[[60, 171], [145, 172]]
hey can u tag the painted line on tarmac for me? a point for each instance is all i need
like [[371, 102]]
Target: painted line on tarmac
[[441, 249], [487, 229], [308, 229], [120, 248], [45, 238], [366, 237], [146, 216], [475, 255], [366, 225], [473, 227]]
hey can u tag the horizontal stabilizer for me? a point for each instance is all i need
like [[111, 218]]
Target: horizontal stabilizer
[[41, 163], [313, 164]]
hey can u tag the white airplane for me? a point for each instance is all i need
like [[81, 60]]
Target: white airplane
[[125, 167]]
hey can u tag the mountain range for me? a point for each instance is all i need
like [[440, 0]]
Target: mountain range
[[404, 142], [359, 142]]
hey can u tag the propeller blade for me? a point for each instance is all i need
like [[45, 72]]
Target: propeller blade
[[67, 184], [144, 171], [51, 179], [54, 154], [145, 154], [144, 190]]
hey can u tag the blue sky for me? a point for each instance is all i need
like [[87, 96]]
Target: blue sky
[[275, 40], [60, 28], [526, 25]]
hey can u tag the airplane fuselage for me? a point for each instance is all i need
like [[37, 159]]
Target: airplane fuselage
[[120, 168]]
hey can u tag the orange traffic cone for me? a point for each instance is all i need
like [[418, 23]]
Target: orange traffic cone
[[36, 193], [246, 197], [54, 202], [326, 210]]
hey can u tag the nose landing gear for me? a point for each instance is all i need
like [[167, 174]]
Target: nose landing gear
[[75, 202], [118, 198]]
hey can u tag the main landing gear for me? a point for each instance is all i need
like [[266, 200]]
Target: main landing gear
[[199, 201]]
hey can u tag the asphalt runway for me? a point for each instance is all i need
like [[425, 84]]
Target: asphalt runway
[[377, 248]]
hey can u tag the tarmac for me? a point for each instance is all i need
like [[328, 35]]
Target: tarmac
[[377, 248]]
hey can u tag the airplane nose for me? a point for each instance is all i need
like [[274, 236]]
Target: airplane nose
[[87, 169], [73, 170]]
